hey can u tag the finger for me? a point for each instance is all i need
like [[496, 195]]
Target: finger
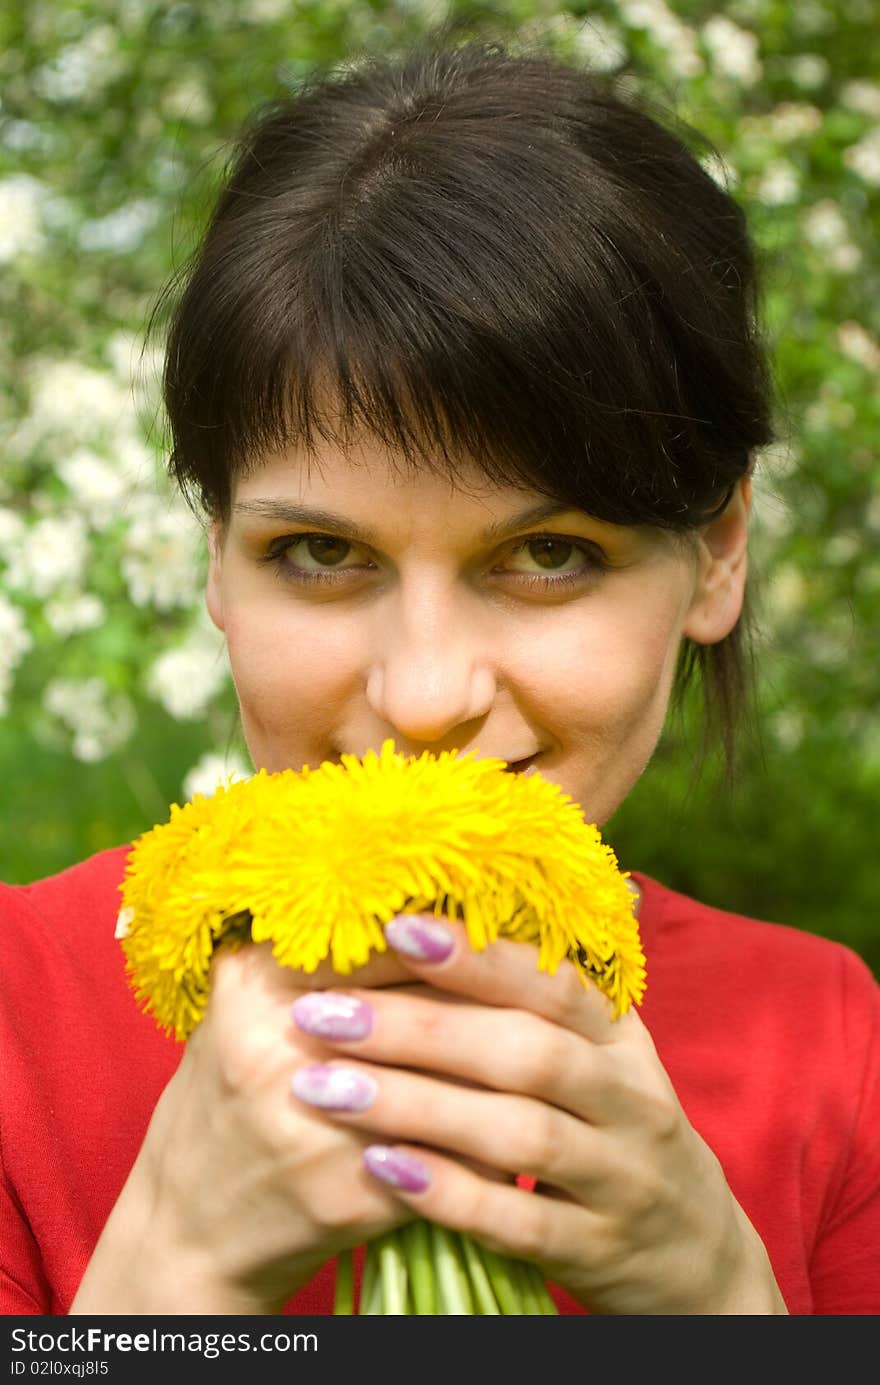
[[511, 1134], [526, 1225], [256, 963], [435, 1032], [503, 973]]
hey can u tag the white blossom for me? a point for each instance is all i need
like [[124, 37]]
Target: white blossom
[[138, 365], [50, 554], [786, 591], [212, 771], [12, 529], [24, 135], [72, 403], [601, 45], [809, 70], [21, 221], [74, 611], [677, 41], [734, 51], [99, 722], [121, 230], [15, 641], [846, 257], [842, 548], [859, 345], [864, 157], [787, 726], [264, 11], [826, 228], [861, 96], [161, 562], [187, 99], [872, 513], [185, 678], [778, 184], [793, 119], [82, 68], [96, 484]]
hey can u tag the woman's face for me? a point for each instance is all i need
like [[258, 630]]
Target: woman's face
[[556, 639]]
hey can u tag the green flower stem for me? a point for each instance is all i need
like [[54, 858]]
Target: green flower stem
[[522, 1281], [546, 1301], [424, 1269], [487, 1303], [393, 1275], [504, 1281], [371, 1284], [343, 1297], [452, 1280], [535, 1295], [417, 1251]]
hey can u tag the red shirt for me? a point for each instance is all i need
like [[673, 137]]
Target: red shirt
[[770, 1035]]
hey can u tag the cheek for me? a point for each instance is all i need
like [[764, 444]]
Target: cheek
[[283, 668], [607, 674]]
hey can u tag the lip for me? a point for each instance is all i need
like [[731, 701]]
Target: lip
[[524, 767]]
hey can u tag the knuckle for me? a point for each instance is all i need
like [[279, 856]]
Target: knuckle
[[661, 1113], [535, 1140], [568, 996], [532, 1058], [429, 1027]]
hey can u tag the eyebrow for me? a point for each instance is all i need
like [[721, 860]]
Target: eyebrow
[[283, 511]]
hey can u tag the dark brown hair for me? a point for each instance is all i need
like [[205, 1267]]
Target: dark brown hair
[[471, 251]]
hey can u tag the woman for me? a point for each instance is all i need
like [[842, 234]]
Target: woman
[[467, 380]]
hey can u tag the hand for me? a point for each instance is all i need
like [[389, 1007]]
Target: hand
[[631, 1213], [240, 1192]]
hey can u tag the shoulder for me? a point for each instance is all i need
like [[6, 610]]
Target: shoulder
[[99, 874], [671, 914], [720, 957], [73, 911], [95, 879]]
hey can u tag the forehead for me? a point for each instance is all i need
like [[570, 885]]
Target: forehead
[[366, 481]]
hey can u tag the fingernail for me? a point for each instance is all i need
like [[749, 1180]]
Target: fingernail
[[394, 1167], [423, 939], [335, 1089], [333, 1015]]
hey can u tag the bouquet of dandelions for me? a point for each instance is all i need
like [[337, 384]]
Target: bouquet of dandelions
[[317, 862]]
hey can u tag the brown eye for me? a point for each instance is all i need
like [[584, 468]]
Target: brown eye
[[545, 550], [554, 554], [323, 548], [327, 551]]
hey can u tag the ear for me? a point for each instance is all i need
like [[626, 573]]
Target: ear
[[723, 563], [213, 587]]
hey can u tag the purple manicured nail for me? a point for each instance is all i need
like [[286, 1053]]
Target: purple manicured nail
[[423, 939], [333, 1015], [394, 1167], [335, 1089]]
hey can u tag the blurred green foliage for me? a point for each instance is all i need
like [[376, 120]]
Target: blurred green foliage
[[115, 121]]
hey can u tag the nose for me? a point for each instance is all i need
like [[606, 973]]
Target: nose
[[431, 678]]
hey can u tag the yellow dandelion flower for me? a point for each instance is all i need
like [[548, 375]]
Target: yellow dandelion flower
[[318, 861]]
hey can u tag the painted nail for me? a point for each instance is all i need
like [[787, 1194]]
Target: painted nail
[[394, 1167], [333, 1015], [423, 939], [335, 1089]]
